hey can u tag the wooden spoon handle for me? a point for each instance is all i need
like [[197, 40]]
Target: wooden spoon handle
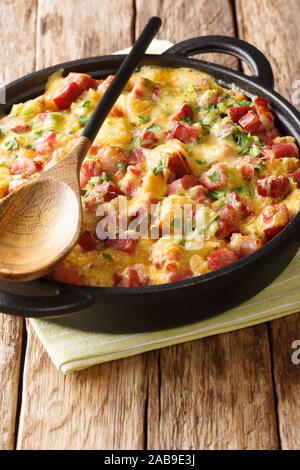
[[122, 76]]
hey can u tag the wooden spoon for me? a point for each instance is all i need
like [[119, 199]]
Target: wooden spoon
[[41, 222]]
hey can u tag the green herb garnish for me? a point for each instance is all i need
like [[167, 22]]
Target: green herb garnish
[[158, 168], [142, 119], [154, 128], [107, 257], [214, 176], [121, 166], [12, 144], [83, 120]]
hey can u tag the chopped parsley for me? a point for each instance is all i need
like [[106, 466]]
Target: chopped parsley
[[83, 120], [244, 103], [148, 83], [154, 128], [85, 104], [83, 192], [121, 166], [216, 195], [186, 119], [142, 119], [158, 168], [107, 257], [29, 147], [243, 141], [136, 141], [99, 179], [12, 144], [214, 176]]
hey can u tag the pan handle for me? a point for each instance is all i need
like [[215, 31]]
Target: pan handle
[[66, 300], [256, 60]]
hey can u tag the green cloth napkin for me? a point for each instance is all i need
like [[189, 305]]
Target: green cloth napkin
[[103, 333]]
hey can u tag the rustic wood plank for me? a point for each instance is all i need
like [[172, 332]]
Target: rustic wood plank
[[102, 407], [73, 29], [279, 43], [208, 394], [183, 20], [213, 394], [99, 408], [18, 42]]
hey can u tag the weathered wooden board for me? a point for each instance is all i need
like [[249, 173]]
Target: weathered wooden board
[[18, 42], [102, 407], [274, 27], [213, 393]]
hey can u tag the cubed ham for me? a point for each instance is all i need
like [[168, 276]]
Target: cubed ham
[[296, 176], [89, 169], [125, 245], [131, 180], [67, 272], [184, 132], [20, 128], [215, 177], [142, 87], [178, 272], [44, 116], [225, 130], [87, 241], [110, 157], [250, 121], [239, 205], [178, 165], [136, 156], [103, 192], [105, 84], [148, 139], [266, 117], [274, 186], [154, 94], [285, 150], [116, 112], [71, 88], [185, 111], [94, 149], [197, 194], [210, 97], [23, 166], [246, 166], [274, 218], [132, 276], [228, 222], [181, 184], [243, 245], [220, 259], [263, 136], [237, 112], [45, 145]]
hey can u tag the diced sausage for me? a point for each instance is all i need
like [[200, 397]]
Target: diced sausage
[[243, 245], [45, 144], [265, 115], [186, 133], [67, 272], [71, 88], [136, 156], [274, 218], [220, 259], [185, 111], [181, 184], [87, 241], [237, 112], [126, 245], [133, 276], [89, 169], [250, 121], [296, 176], [215, 177], [21, 128], [228, 221], [23, 165], [274, 186]]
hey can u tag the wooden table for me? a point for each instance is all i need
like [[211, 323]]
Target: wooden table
[[233, 391]]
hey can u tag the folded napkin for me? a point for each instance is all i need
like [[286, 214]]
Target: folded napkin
[[103, 333]]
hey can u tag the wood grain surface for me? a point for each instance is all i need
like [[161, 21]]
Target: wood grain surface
[[18, 43], [279, 42], [232, 391]]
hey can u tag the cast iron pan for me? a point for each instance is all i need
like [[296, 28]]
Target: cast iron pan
[[207, 294]]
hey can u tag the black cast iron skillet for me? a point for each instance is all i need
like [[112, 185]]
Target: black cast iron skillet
[[207, 294]]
